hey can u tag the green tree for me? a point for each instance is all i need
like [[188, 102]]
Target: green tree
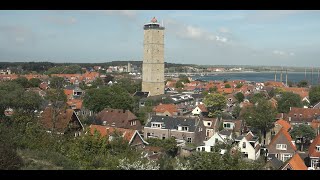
[[113, 97], [169, 145], [22, 81], [257, 97], [239, 85], [215, 103], [34, 82], [179, 84], [227, 86], [287, 100], [290, 83], [184, 78], [314, 95], [303, 132], [213, 89], [239, 96], [236, 111], [260, 116], [57, 82], [303, 83], [30, 102]]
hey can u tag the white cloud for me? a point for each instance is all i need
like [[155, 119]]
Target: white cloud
[[124, 13], [192, 32], [283, 53]]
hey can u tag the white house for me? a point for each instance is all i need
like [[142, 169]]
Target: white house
[[249, 146], [224, 136], [199, 109]]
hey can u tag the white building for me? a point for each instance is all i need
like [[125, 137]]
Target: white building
[[223, 137], [249, 146]]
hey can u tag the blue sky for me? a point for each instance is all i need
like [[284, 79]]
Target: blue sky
[[217, 37]]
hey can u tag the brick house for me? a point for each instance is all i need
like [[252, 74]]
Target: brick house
[[67, 122], [118, 118], [282, 146], [295, 163], [314, 153], [166, 110]]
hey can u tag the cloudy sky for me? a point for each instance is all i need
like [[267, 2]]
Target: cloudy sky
[[219, 37]]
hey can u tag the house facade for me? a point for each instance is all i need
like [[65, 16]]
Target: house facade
[[189, 130], [222, 137], [131, 136], [249, 145], [314, 153], [282, 146]]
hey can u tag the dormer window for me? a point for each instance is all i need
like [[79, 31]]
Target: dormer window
[[132, 123], [156, 125], [183, 128], [318, 148]]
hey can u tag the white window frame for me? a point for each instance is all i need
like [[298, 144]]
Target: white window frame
[[318, 148], [285, 157], [156, 125], [281, 147], [184, 128], [189, 139]]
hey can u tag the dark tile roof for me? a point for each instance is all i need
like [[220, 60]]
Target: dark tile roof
[[197, 96], [275, 162], [116, 117], [225, 132], [174, 122], [141, 94]]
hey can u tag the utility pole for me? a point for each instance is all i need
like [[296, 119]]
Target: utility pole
[[286, 77], [281, 75]]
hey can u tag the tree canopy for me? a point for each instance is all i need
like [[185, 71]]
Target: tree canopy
[[303, 83], [215, 103], [314, 95], [287, 100], [113, 97], [71, 69], [260, 116], [239, 96]]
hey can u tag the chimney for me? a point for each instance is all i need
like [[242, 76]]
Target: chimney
[[289, 119], [124, 111]]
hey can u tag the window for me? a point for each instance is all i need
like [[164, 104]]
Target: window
[[318, 148], [198, 149], [300, 115], [244, 145], [226, 125], [207, 133], [189, 139], [208, 124], [281, 146], [203, 149], [216, 140], [295, 115], [156, 125], [200, 129], [285, 157], [132, 123], [184, 128], [211, 148]]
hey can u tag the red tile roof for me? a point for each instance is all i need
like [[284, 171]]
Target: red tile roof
[[284, 124], [274, 84], [296, 163], [127, 134], [303, 92], [203, 108], [307, 114], [312, 148], [161, 108], [77, 103]]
